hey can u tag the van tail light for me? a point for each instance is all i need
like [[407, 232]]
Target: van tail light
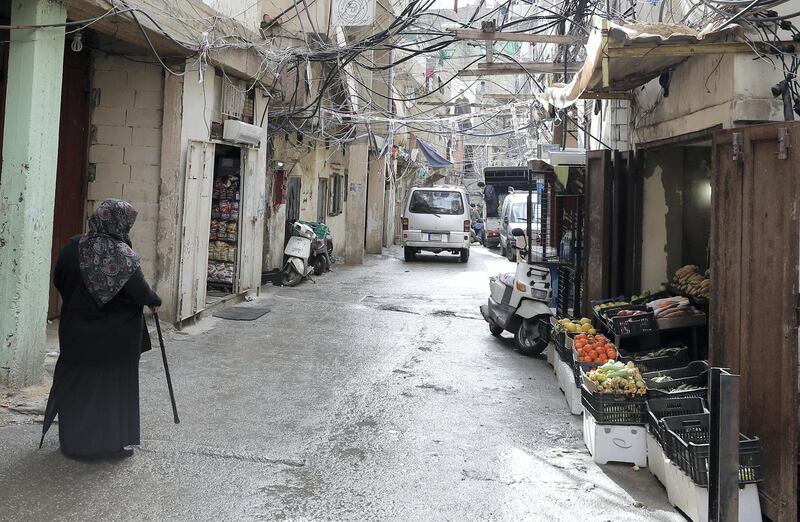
[[467, 224], [405, 224]]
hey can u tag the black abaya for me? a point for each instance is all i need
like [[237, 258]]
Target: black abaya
[[96, 381]]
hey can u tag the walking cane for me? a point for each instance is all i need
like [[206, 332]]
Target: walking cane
[[166, 369]]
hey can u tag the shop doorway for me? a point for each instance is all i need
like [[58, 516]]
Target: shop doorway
[[223, 246], [223, 225]]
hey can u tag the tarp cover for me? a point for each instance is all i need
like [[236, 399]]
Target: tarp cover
[[628, 73], [435, 160]]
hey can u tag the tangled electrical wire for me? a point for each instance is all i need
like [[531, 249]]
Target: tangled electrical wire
[[325, 80]]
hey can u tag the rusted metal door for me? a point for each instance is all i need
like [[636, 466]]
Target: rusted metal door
[[598, 226], [754, 314], [73, 143]]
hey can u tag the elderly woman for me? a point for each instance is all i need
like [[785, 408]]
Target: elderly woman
[[101, 333]]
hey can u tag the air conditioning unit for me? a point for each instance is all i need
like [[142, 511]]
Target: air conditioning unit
[[568, 157], [241, 132]]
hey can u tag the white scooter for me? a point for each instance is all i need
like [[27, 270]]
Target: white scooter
[[520, 302], [298, 252]]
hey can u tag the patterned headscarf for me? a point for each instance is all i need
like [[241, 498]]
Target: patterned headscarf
[[107, 260]]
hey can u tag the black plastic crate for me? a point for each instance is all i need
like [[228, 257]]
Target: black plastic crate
[[677, 359], [687, 445], [632, 324], [692, 369], [564, 353], [545, 330], [652, 297], [657, 390], [658, 409], [614, 409]]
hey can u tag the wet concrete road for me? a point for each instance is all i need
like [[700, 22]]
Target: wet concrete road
[[376, 394]]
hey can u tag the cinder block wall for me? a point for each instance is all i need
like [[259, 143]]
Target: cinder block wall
[[125, 150]]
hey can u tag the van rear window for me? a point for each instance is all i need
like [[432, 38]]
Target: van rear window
[[436, 202]]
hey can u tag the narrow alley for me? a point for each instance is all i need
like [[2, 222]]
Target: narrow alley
[[375, 394]]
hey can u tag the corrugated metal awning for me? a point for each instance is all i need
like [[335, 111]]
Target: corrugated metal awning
[[627, 56]]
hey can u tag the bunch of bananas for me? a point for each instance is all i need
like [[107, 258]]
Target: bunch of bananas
[[690, 281]]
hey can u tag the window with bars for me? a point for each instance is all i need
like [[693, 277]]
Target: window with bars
[[233, 100]]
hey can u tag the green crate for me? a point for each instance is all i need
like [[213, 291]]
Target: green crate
[[320, 229]]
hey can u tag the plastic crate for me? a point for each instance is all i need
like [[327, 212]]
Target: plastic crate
[[687, 445], [320, 229], [677, 359], [657, 390], [617, 443], [658, 409], [596, 302], [545, 330], [564, 350], [692, 369], [652, 297], [633, 325], [614, 409]]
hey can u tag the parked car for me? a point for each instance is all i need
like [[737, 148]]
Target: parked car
[[514, 214], [436, 219]]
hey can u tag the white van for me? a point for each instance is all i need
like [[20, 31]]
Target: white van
[[436, 219], [514, 214]]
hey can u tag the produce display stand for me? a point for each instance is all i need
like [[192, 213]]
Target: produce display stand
[[668, 429], [615, 442], [614, 427], [677, 359], [686, 463], [658, 409]]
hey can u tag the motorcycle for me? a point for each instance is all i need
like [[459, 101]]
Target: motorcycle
[[298, 253], [321, 254], [519, 302]]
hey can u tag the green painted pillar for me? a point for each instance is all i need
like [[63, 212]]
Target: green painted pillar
[[27, 187]]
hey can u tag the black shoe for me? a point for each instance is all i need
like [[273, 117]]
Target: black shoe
[[122, 453]]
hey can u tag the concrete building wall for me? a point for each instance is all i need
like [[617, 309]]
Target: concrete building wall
[[246, 12], [311, 162], [707, 91], [125, 149]]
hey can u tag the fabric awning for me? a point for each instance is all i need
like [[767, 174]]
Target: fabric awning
[[628, 72], [435, 160]]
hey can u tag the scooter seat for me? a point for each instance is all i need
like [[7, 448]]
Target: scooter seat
[[507, 279]]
